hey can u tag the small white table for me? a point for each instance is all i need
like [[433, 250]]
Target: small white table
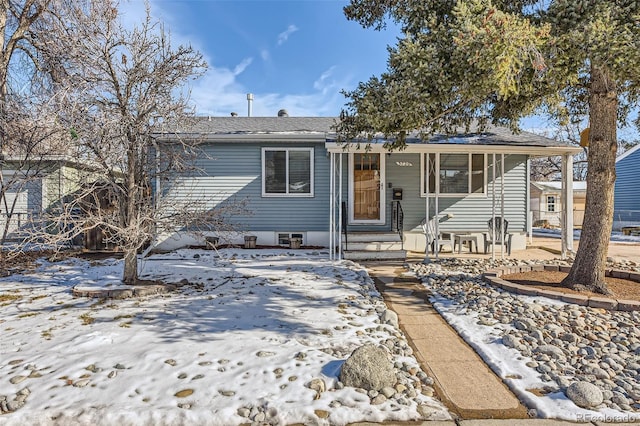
[[470, 239]]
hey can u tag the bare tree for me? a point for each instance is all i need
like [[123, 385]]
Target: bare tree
[[550, 168], [29, 134], [115, 88]]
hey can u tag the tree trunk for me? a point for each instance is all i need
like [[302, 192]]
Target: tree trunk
[[130, 274], [588, 270]]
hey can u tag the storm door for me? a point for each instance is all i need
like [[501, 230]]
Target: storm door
[[367, 188]]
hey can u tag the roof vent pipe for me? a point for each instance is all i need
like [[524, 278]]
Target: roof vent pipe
[[283, 113], [249, 103]]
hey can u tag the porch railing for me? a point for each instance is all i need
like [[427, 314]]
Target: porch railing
[[345, 221], [397, 222]]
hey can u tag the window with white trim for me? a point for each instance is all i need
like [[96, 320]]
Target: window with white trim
[[287, 172], [458, 174], [551, 203], [285, 237]]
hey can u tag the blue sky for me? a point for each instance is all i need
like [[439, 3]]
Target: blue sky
[[292, 54]]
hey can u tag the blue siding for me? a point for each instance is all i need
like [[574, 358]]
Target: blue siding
[[469, 213], [627, 184], [229, 172], [232, 172]]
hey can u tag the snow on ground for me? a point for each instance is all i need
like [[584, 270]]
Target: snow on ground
[[459, 303], [616, 237], [248, 332]]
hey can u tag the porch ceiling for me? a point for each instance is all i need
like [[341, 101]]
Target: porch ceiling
[[414, 148]]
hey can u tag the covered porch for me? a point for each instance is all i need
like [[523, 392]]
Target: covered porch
[[381, 201]]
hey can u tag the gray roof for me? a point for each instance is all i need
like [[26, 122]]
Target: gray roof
[[250, 125], [491, 135]]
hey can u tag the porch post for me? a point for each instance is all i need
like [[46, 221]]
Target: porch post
[[426, 208], [332, 211], [502, 247], [567, 203], [493, 204], [437, 213], [340, 209]]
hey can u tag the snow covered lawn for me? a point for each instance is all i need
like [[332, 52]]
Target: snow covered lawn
[[240, 340]]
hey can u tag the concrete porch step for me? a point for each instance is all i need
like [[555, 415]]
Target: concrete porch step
[[375, 255], [371, 236], [374, 245]]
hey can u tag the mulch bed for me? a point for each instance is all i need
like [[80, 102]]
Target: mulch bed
[[550, 280]]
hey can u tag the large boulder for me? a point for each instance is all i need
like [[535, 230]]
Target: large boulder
[[368, 368], [585, 394]]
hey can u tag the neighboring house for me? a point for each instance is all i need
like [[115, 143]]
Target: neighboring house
[[626, 199], [30, 189], [546, 203], [300, 182]]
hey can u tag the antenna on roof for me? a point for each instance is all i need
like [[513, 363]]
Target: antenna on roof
[[249, 103]]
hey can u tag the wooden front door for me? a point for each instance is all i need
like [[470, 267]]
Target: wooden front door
[[367, 188]]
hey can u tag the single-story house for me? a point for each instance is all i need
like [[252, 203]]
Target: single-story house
[[547, 203], [626, 199], [300, 181], [31, 187]]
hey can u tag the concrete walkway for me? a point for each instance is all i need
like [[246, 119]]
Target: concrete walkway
[[463, 381]]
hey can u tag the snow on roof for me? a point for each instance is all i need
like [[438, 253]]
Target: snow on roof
[[219, 127], [557, 186]]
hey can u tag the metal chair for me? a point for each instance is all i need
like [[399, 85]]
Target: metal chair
[[498, 234], [429, 230]]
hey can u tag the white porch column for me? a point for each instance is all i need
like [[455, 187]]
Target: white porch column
[[332, 207], [340, 208], [567, 203]]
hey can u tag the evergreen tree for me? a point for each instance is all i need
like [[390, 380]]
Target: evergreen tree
[[481, 60]]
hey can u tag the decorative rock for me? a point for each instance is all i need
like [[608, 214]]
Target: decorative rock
[[322, 414], [379, 399], [390, 317], [510, 341], [550, 350], [388, 391], [14, 405], [369, 368], [81, 383], [17, 379], [243, 412], [584, 394], [317, 385], [184, 393]]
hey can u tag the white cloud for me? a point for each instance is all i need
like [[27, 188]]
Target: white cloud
[[324, 83], [284, 36], [218, 93], [242, 66]]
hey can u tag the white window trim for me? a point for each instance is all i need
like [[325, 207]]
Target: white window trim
[[287, 194], [555, 203], [483, 194]]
